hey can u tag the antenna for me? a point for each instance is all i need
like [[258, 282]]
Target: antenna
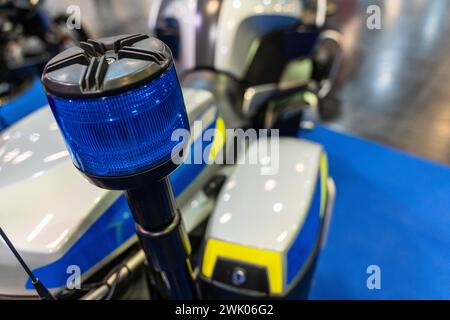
[[41, 290]]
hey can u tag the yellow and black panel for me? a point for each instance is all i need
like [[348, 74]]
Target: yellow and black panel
[[268, 272], [250, 264]]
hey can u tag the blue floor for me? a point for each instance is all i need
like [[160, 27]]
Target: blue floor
[[22, 105], [392, 210]]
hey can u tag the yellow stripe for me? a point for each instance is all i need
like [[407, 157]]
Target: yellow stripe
[[311, 99], [188, 262], [269, 259], [323, 182], [219, 139], [186, 242]]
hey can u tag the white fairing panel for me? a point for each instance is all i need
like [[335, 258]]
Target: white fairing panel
[[233, 13], [46, 205], [267, 211], [44, 201]]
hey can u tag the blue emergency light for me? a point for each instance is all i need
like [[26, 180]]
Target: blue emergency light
[[124, 133], [117, 102]]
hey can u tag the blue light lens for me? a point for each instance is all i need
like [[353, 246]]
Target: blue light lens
[[126, 133]]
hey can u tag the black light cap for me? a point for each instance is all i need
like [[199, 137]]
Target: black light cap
[[107, 65]]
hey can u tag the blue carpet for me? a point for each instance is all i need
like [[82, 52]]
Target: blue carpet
[[392, 210]]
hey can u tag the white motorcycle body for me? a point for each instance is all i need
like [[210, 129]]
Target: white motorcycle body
[[62, 224]]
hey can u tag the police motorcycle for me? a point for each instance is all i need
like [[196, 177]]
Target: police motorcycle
[[28, 39], [251, 234], [263, 52]]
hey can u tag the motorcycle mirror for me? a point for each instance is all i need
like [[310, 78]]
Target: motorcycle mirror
[[256, 97]]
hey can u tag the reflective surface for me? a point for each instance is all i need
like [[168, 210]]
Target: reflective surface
[[394, 85], [261, 190]]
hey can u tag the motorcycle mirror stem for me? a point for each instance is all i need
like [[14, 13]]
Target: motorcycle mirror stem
[[117, 101]]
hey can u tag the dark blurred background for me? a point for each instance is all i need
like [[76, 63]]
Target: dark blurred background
[[394, 83]]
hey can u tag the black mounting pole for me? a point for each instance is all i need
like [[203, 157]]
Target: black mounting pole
[[163, 237]]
